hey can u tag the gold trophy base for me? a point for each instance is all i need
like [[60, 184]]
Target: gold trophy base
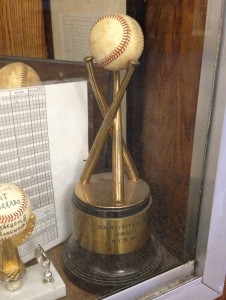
[[110, 246]]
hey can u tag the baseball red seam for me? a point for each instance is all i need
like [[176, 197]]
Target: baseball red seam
[[16, 215], [24, 76], [120, 49]]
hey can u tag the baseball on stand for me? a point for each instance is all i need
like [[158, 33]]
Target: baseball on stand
[[115, 40]]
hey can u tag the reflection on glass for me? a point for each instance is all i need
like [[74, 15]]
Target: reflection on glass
[[161, 99]]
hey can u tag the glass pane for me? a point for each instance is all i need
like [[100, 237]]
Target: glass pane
[[130, 218]]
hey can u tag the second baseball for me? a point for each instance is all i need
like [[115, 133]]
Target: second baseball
[[15, 210], [16, 75], [115, 40]]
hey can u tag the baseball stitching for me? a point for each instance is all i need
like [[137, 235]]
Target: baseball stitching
[[120, 49], [24, 73], [16, 215]]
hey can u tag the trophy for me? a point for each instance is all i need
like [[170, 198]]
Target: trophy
[[111, 245], [16, 225]]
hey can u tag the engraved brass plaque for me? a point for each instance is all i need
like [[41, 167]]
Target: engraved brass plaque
[[111, 236]]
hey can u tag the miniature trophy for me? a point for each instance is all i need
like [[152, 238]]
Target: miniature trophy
[[111, 244], [16, 224]]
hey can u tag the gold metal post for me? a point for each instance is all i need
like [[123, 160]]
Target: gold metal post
[[117, 166]]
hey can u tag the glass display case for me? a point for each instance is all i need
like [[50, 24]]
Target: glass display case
[[160, 119]]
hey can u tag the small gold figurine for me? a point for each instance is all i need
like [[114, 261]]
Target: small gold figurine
[[16, 225]]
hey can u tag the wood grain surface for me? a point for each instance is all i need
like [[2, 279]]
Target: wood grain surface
[[174, 33], [22, 28]]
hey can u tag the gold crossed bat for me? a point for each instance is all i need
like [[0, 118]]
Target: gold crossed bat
[[109, 115]]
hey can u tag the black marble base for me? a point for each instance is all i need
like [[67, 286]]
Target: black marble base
[[111, 271]]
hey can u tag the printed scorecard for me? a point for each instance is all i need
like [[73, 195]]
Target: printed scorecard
[[43, 145]]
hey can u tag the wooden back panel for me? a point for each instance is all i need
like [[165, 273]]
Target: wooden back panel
[[174, 43], [22, 28]]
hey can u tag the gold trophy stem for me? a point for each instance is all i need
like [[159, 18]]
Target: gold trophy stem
[[127, 159], [117, 166], [11, 266], [105, 127]]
